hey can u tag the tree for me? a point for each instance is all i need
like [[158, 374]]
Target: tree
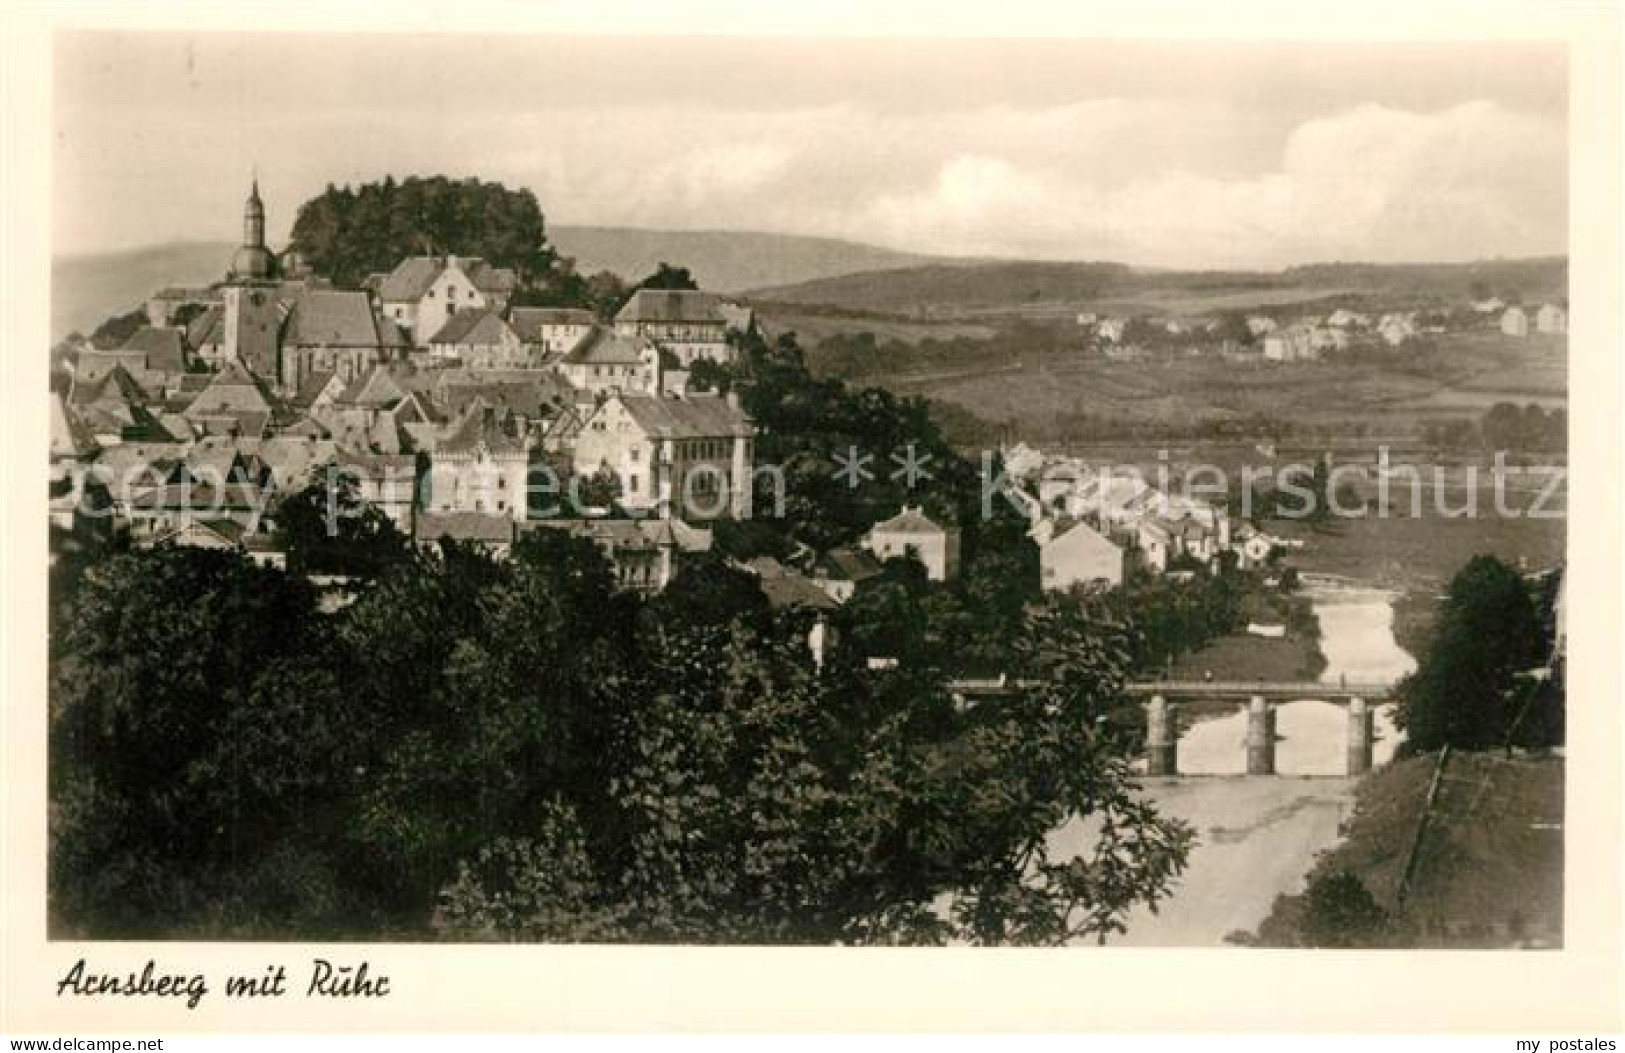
[[602, 489], [348, 234], [1463, 693], [113, 332], [666, 276], [1339, 911], [525, 890], [326, 528], [199, 745], [1232, 326]]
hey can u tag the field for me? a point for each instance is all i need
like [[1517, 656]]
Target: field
[[1424, 553], [1036, 288], [1462, 376], [1245, 657]]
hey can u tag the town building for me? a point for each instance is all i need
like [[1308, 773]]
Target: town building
[[1551, 318], [1395, 329], [644, 553], [236, 403], [840, 572], [911, 533], [1073, 553], [688, 323], [479, 337], [1343, 318], [481, 463], [422, 292], [490, 532], [1515, 322], [606, 361], [690, 456], [387, 481], [552, 330], [214, 484], [333, 331]]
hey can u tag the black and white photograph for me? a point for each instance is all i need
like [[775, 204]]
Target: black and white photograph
[[1076, 493]]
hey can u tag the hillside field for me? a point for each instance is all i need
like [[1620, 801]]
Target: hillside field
[[1461, 377]]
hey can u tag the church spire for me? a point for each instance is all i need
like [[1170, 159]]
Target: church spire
[[253, 259]]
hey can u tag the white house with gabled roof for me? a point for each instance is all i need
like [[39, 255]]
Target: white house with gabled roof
[[912, 533]]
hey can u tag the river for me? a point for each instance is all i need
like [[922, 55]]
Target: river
[[1257, 837]]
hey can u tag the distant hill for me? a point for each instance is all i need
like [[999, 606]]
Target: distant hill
[[791, 270], [965, 285], [1012, 285], [86, 290], [724, 261]]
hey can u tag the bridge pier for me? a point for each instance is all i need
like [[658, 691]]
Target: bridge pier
[[1260, 737], [1360, 737], [1161, 739]]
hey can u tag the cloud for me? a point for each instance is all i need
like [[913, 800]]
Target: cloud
[[1147, 180], [1370, 184]]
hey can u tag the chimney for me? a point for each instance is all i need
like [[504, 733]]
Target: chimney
[[733, 399]]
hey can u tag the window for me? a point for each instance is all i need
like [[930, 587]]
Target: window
[[632, 483]]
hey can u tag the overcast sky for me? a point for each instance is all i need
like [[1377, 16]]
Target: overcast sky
[[1195, 154]]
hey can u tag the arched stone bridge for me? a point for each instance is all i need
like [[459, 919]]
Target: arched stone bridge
[[1260, 697]]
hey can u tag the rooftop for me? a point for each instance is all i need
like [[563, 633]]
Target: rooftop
[[689, 417], [672, 305], [911, 520]]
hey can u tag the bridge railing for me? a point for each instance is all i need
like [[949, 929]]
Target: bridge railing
[[1174, 690]]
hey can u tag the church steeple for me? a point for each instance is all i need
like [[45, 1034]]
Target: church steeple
[[253, 260]]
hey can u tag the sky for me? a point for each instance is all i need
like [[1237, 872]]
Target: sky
[[1171, 154]]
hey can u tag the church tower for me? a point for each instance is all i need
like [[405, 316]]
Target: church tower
[[253, 261]]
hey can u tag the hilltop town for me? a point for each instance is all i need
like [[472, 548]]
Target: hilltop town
[[439, 400]]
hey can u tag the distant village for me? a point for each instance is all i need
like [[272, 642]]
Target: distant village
[[1285, 335]]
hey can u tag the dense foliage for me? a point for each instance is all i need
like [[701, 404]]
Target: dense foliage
[[519, 751], [118, 328], [1467, 691], [1335, 911], [1505, 427], [348, 233], [327, 528]]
